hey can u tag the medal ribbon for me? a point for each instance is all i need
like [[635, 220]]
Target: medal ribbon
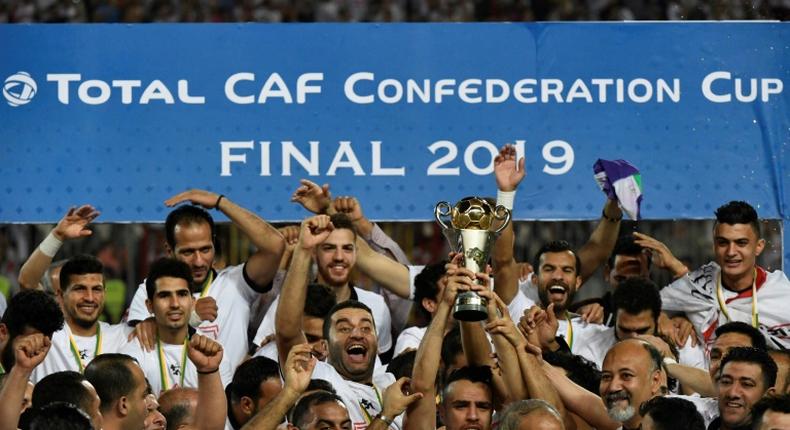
[[723, 305], [570, 330], [368, 418], [207, 283], [164, 373], [76, 351]]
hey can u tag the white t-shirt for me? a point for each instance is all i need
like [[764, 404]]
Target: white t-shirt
[[695, 294], [363, 401], [234, 298], [591, 341], [174, 357], [381, 317], [409, 338], [61, 357]]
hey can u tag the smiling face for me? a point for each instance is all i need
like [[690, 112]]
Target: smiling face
[[353, 344], [736, 247], [335, 258], [627, 381], [194, 246], [83, 299], [172, 302], [740, 386], [557, 279]]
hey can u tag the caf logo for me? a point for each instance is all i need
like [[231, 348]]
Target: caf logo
[[19, 89]]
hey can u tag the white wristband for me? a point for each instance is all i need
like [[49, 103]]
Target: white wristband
[[505, 198], [50, 245], [669, 360], [194, 319]]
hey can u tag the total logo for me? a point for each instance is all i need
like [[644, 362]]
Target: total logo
[[19, 89]]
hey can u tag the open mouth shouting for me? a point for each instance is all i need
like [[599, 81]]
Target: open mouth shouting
[[357, 354]]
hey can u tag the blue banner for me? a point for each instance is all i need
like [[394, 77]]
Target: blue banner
[[401, 116]]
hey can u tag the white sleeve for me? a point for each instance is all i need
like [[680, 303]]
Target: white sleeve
[[518, 305], [137, 310], [693, 356], [267, 325], [385, 331]]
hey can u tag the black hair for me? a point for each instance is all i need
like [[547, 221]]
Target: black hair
[[166, 267], [29, 309], [656, 360], [319, 302], [111, 375], [321, 384], [426, 286], [249, 376], [82, 264], [476, 374], [451, 346], [302, 407], [341, 221], [580, 370], [776, 403], [60, 416], [402, 364], [743, 354], [669, 413], [66, 386], [636, 295], [626, 245], [353, 304], [186, 214], [557, 246], [739, 212], [758, 339]]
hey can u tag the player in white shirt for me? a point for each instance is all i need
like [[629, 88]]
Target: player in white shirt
[[733, 287], [350, 329], [171, 302], [223, 299]]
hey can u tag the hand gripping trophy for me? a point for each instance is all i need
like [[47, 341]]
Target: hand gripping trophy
[[471, 231]]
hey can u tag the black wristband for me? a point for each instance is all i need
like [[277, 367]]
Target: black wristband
[[216, 205], [208, 372], [384, 418], [603, 215]]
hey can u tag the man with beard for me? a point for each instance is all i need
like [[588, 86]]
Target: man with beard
[[350, 328], [83, 337]]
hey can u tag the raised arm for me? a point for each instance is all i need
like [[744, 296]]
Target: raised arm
[[602, 240], [261, 266], [288, 319], [206, 355], [508, 173], [583, 403], [29, 352], [506, 339], [72, 226]]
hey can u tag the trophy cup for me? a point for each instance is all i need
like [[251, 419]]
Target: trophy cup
[[470, 232]]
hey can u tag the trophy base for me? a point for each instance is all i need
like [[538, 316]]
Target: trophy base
[[470, 307]]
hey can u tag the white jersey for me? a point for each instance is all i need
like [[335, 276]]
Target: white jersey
[[234, 298], [381, 317], [364, 402], [409, 338], [176, 361], [591, 341], [695, 294], [62, 356]]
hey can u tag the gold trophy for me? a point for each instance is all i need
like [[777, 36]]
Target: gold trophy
[[471, 231]]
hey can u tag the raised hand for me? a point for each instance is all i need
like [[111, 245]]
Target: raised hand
[[499, 321], [299, 368], [396, 398], [349, 206], [591, 313], [74, 224], [206, 308], [662, 256], [684, 330], [202, 198], [312, 197], [30, 351], [290, 234], [314, 231], [507, 170], [204, 353]]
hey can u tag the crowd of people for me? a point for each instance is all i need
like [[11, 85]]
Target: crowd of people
[[164, 11], [287, 340]]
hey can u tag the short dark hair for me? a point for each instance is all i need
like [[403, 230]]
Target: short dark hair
[[776, 403], [745, 354], [669, 413], [451, 346], [580, 370], [352, 304], [636, 295], [29, 308], [321, 384], [341, 221], [60, 416], [626, 245], [402, 364], [476, 374], [739, 212], [82, 264], [249, 376], [186, 214], [111, 375], [302, 407], [319, 302], [758, 339], [426, 285], [169, 267], [66, 386], [557, 246]]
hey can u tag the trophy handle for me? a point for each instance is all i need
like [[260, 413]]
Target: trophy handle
[[503, 214], [442, 209]]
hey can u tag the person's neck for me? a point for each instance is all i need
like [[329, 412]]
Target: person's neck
[[342, 292], [738, 283], [634, 423], [82, 331], [173, 336], [367, 379]]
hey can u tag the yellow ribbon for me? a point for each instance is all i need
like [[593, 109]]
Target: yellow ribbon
[[164, 373], [570, 330], [76, 352], [207, 283], [723, 304]]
